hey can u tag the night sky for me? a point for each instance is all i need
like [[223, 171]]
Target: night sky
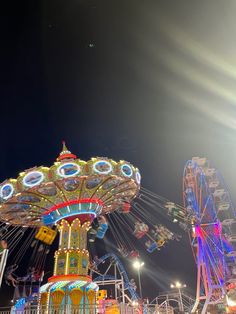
[[151, 82]]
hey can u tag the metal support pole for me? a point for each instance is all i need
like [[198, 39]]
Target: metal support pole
[[115, 282], [123, 291], [139, 283], [3, 261], [181, 301]]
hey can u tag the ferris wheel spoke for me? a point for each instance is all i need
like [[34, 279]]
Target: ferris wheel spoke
[[214, 273], [200, 191], [215, 264], [216, 245], [205, 207]]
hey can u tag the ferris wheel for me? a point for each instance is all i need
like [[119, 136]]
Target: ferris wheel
[[212, 235]]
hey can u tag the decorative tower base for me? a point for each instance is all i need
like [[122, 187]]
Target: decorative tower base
[[70, 289], [76, 296]]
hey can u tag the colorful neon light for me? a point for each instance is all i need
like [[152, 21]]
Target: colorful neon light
[[6, 191], [68, 167], [33, 178], [127, 170], [138, 177], [103, 164], [73, 202]]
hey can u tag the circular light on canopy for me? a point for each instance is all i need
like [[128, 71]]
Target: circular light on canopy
[[138, 177], [102, 167], [127, 170], [68, 170], [33, 178], [6, 191]]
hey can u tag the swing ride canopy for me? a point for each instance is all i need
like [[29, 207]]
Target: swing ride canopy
[[44, 195]]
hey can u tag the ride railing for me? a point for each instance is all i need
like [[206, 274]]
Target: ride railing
[[92, 309], [175, 298]]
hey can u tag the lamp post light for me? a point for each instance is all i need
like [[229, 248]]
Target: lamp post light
[[138, 265], [178, 285]]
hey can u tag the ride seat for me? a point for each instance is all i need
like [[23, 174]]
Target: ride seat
[[209, 172], [227, 222], [231, 254], [232, 238], [214, 184], [199, 161], [219, 193]]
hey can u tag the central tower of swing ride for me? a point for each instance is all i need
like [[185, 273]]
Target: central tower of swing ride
[[78, 200]]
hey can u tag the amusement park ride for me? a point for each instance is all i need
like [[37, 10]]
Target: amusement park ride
[[213, 233], [79, 200]]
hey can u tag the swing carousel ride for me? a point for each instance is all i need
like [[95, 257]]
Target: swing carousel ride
[[79, 200]]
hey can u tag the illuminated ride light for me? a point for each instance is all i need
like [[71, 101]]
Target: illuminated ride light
[[68, 170], [33, 178], [6, 191]]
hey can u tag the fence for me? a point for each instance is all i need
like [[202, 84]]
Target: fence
[[69, 309]]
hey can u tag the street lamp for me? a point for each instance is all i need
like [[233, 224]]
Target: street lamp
[[178, 285], [138, 265]]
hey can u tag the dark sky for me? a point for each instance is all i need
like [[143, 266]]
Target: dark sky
[[152, 82]]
